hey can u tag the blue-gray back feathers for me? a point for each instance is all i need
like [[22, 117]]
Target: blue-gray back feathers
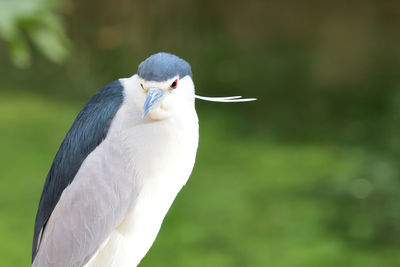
[[87, 132], [163, 66]]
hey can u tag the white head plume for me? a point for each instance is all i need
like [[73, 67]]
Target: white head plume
[[228, 99]]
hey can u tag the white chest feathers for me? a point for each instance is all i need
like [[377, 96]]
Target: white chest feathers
[[157, 159]]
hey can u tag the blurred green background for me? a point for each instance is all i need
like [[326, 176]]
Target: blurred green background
[[306, 176]]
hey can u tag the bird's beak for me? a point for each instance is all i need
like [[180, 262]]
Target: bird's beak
[[154, 96]]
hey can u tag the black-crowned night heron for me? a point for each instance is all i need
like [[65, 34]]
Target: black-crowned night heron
[[127, 155]]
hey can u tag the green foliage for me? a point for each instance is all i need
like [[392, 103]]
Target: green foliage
[[25, 21]]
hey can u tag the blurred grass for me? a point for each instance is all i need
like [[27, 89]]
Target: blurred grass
[[251, 201]]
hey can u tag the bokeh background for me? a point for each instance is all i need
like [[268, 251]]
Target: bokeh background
[[306, 176]]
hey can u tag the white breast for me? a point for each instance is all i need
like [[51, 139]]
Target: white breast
[[160, 155]]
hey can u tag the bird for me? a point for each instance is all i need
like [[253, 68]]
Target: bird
[[128, 153]]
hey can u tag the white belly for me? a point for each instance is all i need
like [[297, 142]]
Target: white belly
[[131, 240], [165, 165]]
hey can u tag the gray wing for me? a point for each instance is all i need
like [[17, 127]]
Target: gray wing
[[87, 132]]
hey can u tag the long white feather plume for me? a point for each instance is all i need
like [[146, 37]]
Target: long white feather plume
[[228, 99]]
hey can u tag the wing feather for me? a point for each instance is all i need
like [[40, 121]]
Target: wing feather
[[86, 133]]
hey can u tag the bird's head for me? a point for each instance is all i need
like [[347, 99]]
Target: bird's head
[[167, 86], [166, 82]]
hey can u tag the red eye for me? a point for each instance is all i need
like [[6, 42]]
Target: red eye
[[174, 84]]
